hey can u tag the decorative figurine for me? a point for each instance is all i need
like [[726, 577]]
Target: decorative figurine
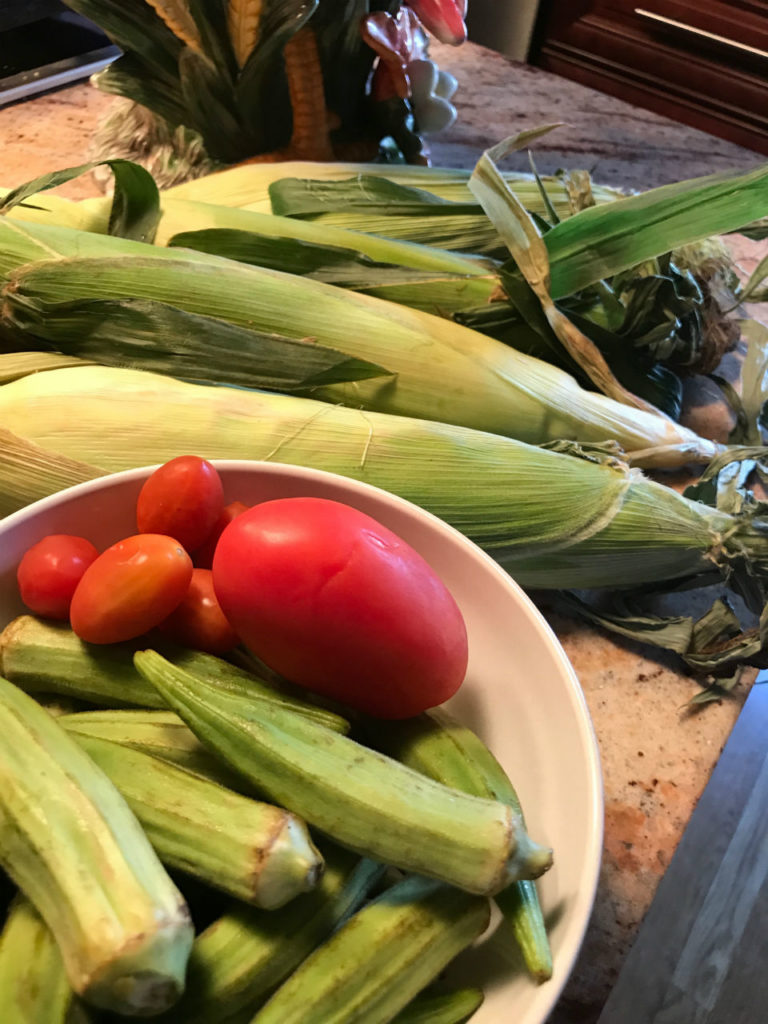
[[216, 82]]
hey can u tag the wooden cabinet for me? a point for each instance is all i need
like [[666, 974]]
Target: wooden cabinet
[[702, 62]]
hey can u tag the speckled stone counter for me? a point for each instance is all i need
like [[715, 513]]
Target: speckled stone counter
[[656, 756]]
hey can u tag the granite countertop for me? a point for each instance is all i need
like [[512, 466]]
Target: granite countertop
[[656, 755]]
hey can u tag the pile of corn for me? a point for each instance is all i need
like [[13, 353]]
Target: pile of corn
[[132, 335]]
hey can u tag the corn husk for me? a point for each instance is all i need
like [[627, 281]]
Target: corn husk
[[553, 520], [439, 369], [248, 186]]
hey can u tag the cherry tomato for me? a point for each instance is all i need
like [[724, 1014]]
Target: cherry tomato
[[131, 587], [203, 556], [337, 603], [183, 499], [50, 570], [198, 622]]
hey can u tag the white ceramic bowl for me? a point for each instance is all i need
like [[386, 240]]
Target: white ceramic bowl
[[521, 694]]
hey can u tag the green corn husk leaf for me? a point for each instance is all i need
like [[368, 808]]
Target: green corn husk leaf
[[481, 383], [751, 291], [608, 526], [437, 293], [710, 645], [605, 240], [291, 197], [157, 336], [529, 251], [135, 208], [750, 405]]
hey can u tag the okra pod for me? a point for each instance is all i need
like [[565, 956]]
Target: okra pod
[[47, 657], [73, 846], [359, 797], [159, 733], [382, 957], [247, 953], [442, 748], [443, 1008], [255, 852], [34, 988]]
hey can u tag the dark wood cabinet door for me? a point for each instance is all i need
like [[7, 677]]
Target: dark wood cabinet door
[[702, 62]]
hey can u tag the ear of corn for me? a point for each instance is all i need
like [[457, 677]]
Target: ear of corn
[[605, 523], [32, 473], [248, 185], [443, 371]]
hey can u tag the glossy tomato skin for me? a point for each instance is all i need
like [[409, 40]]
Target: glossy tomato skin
[[203, 556], [183, 499], [337, 603], [198, 621], [50, 571], [130, 588]]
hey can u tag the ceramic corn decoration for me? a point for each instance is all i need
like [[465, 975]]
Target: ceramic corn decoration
[[219, 82]]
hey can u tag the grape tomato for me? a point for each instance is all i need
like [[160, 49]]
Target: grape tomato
[[198, 621], [130, 588], [50, 570], [203, 556], [182, 498]]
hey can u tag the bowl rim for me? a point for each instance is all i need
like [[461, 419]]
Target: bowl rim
[[584, 900]]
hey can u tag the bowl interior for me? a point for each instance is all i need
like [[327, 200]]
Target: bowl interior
[[521, 695]]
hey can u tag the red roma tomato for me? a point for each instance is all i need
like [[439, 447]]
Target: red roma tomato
[[183, 499], [50, 570], [130, 588], [198, 622], [203, 556], [337, 603]]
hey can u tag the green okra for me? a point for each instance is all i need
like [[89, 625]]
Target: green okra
[[47, 657], [34, 988], [252, 850], [159, 733], [362, 799], [436, 744], [382, 957], [247, 953], [73, 846], [443, 1008]]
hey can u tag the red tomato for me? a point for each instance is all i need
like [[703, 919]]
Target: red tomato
[[337, 603], [130, 588], [199, 622], [203, 556], [183, 498], [50, 570]]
